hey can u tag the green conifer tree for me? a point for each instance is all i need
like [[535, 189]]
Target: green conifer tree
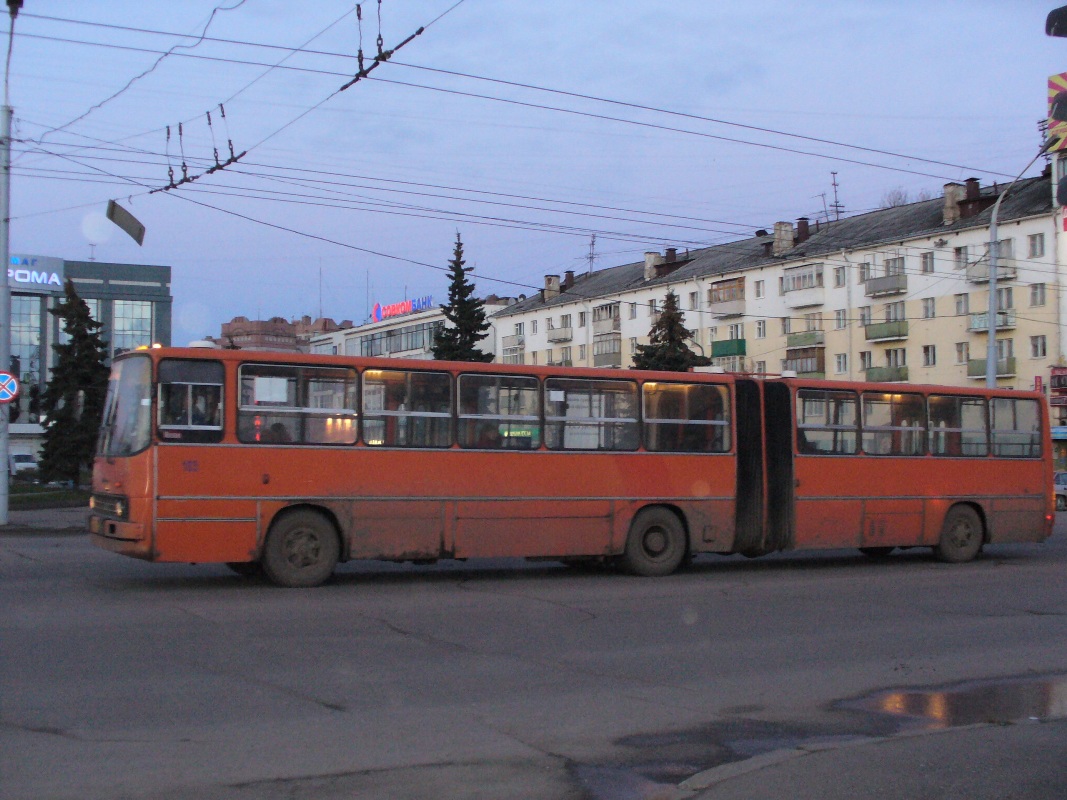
[[667, 348], [466, 313], [73, 401]]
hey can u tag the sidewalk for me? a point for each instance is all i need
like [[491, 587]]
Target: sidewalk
[[1024, 761], [41, 520]]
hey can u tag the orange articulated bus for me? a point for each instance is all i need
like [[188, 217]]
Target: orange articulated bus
[[288, 464]]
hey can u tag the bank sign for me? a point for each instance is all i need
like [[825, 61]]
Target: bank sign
[[399, 309], [38, 274]]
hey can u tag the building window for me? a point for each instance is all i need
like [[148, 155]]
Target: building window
[[26, 343], [712, 331], [581, 353], [929, 308], [564, 320], [1005, 298], [1005, 349], [927, 262], [518, 329], [548, 324], [840, 274], [896, 357], [963, 305], [727, 291], [1038, 347], [1037, 294], [787, 325], [761, 329], [865, 315], [581, 319], [1036, 242], [813, 322], [633, 310], [633, 345], [840, 318], [737, 330], [548, 356], [894, 312], [963, 352], [693, 300], [533, 356], [565, 356], [132, 325], [959, 257], [929, 355], [841, 363], [795, 279], [533, 326], [894, 266], [653, 307], [864, 272], [761, 367], [866, 359]]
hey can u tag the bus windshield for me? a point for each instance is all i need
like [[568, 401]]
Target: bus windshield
[[126, 427]]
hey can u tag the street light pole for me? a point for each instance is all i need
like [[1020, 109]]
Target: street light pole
[[6, 113]]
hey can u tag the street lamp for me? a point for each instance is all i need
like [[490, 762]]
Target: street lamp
[[1057, 113]]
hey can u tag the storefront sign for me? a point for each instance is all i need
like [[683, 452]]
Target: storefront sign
[[399, 309], [38, 274]]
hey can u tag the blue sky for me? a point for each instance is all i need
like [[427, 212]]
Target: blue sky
[[384, 174]]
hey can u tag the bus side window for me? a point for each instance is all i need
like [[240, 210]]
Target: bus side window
[[590, 414], [827, 422], [1016, 428], [190, 400], [498, 412], [686, 417], [957, 426]]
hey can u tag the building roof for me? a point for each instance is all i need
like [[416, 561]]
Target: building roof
[[1030, 197]]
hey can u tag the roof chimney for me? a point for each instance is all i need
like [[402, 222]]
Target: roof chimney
[[568, 279], [551, 287], [652, 259], [973, 189], [672, 255], [953, 194], [802, 230], [783, 237], [761, 232]]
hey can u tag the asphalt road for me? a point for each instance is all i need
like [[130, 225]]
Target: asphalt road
[[792, 676]]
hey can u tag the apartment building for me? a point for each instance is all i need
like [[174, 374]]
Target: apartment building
[[899, 294]]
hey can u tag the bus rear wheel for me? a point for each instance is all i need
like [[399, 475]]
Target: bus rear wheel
[[301, 550], [961, 536], [656, 544]]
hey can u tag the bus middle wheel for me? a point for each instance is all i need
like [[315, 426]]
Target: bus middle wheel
[[656, 544], [301, 550], [961, 536]]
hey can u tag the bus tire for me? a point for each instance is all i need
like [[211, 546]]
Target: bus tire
[[246, 569], [301, 550], [961, 536], [656, 544]]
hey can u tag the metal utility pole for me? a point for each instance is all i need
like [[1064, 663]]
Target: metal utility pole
[[6, 113]]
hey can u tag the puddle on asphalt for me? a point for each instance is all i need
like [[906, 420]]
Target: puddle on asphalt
[[652, 765], [996, 701]]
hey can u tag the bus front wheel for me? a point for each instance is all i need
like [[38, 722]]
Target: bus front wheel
[[301, 550], [656, 544], [961, 536]]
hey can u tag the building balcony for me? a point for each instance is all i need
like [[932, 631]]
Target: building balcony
[[609, 325], [890, 284], [805, 339], [1005, 367], [802, 298], [607, 360], [728, 308], [887, 374], [886, 331], [517, 342], [810, 366], [728, 347], [979, 273], [980, 322], [560, 334]]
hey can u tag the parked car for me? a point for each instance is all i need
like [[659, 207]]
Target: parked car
[[1059, 486], [22, 462]]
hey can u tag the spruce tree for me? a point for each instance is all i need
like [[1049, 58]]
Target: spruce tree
[[667, 348], [466, 313], [73, 401]]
